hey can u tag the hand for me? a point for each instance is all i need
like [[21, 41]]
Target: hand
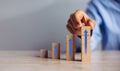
[[77, 20]]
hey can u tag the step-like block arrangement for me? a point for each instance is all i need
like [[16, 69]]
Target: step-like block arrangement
[[70, 47]]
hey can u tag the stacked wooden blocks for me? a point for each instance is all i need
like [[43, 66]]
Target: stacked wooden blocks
[[70, 47]]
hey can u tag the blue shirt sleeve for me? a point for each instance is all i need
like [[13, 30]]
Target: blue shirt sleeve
[[96, 34], [106, 13]]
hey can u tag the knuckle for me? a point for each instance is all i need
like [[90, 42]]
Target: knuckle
[[75, 15], [78, 10]]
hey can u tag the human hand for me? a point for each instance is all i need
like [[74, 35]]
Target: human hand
[[77, 20]]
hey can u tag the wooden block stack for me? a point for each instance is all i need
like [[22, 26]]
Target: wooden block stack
[[70, 40], [56, 50], [70, 47], [85, 44]]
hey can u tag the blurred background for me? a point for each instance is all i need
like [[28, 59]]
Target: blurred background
[[35, 24]]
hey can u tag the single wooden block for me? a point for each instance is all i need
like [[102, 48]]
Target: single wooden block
[[55, 50], [43, 53], [85, 44], [70, 43], [85, 29]]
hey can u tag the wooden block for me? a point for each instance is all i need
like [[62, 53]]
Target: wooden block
[[87, 28], [70, 43], [43, 53], [80, 32], [55, 50], [85, 44]]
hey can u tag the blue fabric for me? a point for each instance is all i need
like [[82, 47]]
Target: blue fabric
[[106, 13]]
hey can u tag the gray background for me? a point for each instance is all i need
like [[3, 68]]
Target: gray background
[[35, 24]]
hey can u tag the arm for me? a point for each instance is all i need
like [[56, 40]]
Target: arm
[[96, 34], [80, 18]]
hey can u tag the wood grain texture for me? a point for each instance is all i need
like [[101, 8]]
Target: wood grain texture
[[86, 54], [70, 50], [55, 50]]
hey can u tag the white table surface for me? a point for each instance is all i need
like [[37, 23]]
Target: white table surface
[[30, 61]]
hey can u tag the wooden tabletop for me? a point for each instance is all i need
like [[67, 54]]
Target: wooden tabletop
[[30, 61]]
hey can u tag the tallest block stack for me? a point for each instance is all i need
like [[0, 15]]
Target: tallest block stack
[[85, 44]]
